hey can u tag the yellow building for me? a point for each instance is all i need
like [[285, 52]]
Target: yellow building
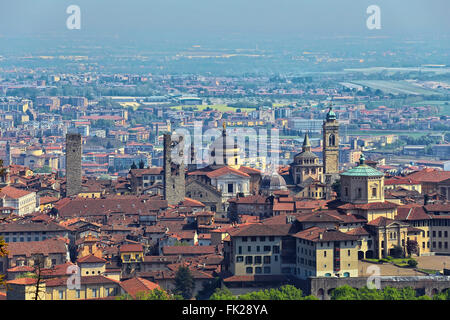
[[131, 253], [25, 289], [92, 287], [326, 253], [403, 183], [91, 265]]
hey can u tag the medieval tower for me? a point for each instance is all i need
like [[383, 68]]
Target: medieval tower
[[73, 164], [8, 159], [174, 175], [330, 147]]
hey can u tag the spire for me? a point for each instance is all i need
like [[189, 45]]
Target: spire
[[306, 143]]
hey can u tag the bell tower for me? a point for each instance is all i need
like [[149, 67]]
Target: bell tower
[[330, 145]]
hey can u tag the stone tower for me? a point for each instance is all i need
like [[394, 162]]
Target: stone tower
[[330, 146], [8, 159], [174, 175], [73, 164]]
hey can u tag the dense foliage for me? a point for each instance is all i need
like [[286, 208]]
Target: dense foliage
[[184, 283], [286, 292], [388, 293]]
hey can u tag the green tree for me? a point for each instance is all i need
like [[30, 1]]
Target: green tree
[[141, 164], [184, 283], [412, 247], [209, 288], [397, 252], [222, 294], [344, 293], [336, 187], [3, 252], [390, 293], [408, 293], [412, 263], [155, 294], [133, 166], [369, 294]]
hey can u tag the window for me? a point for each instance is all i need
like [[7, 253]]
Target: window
[[253, 239], [258, 259], [374, 192], [324, 253], [249, 249], [239, 258], [331, 140], [77, 293], [258, 248], [267, 259], [249, 270], [266, 248], [258, 270], [349, 253], [61, 294], [248, 260], [244, 239], [94, 293], [262, 238], [271, 238], [267, 270], [276, 249], [230, 188], [240, 250]]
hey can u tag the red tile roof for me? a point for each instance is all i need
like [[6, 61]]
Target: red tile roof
[[369, 206], [226, 170], [131, 248], [46, 247], [317, 234], [188, 250], [90, 259], [430, 175], [14, 193], [137, 284]]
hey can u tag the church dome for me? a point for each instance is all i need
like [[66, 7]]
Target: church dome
[[273, 182]]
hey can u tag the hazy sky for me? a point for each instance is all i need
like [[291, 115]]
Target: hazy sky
[[130, 18]]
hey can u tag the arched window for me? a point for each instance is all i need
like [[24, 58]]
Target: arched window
[[331, 140]]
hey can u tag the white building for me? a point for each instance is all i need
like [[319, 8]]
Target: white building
[[23, 202]]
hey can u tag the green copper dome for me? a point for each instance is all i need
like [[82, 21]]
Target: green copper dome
[[363, 170], [331, 115]]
